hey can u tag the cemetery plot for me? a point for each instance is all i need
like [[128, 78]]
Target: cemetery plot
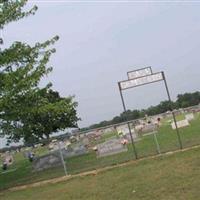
[[47, 161], [180, 124], [110, 147], [75, 150], [189, 117], [146, 129], [7, 160], [123, 130], [89, 161], [107, 130]]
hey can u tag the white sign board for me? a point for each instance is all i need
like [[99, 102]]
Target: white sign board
[[139, 73], [180, 124], [189, 117], [141, 81]]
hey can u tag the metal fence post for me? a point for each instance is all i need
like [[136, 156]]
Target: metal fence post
[[62, 159]]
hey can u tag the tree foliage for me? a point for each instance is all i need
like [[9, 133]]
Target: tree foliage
[[26, 110], [183, 100]]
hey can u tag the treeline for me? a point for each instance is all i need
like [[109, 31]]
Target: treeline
[[183, 101]]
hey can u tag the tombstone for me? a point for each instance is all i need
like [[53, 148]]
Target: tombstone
[[4, 166], [149, 128], [77, 150], [26, 154], [145, 129], [54, 146], [123, 130], [110, 147], [139, 127], [67, 143], [47, 161], [51, 146], [108, 130], [180, 124], [85, 141], [73, 139], [8, 159], [31, 156], [95, 136], [189, 117]]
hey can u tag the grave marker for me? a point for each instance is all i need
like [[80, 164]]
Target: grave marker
[[189, 117], [110, 147], [47, 161], [180, 124]]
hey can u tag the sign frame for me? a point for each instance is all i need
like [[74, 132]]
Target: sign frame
[[169, 99]]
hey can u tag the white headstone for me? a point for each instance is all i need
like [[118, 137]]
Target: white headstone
[[110, 147], [180, 124], [189, 117], [124, 130]]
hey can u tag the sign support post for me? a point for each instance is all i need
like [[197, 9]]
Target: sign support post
[[129, 127], [174, 117]]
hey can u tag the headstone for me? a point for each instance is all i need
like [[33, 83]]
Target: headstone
[[148, 128], [139, 127], [77, 150], [73, 139], [67, 143], [47, 161], [54, 146], [124, 131], [189, 117], [95, 136], [51, 146], [110, 147], [180, 124], [8, 159], [108, 130], [26, 154], [31, 156], [85, 141]]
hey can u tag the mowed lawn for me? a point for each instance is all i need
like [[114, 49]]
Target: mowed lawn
[[171, 177]]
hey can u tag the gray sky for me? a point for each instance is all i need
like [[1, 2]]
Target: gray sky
[[101, 41]]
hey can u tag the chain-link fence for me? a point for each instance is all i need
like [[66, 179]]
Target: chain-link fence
[[94, 149]]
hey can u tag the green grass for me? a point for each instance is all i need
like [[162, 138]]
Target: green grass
[[172, 177], [167, 139]]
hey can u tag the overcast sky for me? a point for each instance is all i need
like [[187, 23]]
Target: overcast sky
[[101, 41]]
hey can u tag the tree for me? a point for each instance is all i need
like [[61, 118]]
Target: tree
[[183, 100], [54, 115], [188, 99], [26, 110]]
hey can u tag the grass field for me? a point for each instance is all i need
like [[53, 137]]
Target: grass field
[[171, 177], [167, 138]]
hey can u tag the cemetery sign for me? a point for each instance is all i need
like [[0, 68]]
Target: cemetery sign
[[141, 81], [139, 73], [142, 78]]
